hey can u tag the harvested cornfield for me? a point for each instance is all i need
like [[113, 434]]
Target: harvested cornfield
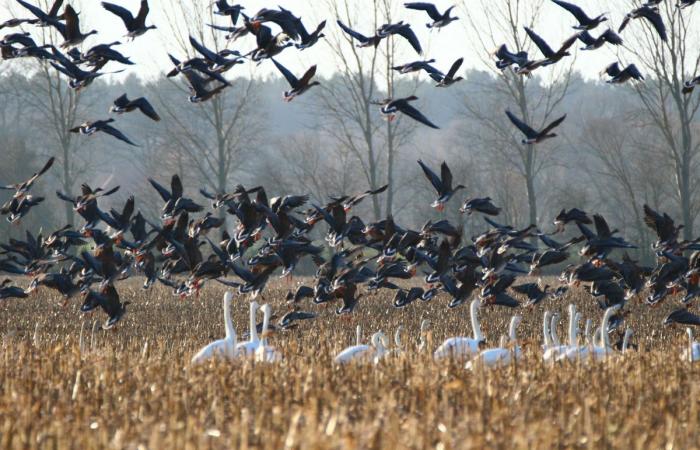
[[133, 386]]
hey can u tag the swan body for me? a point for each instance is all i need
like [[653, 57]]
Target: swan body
[[602, 351], [500, 356], [556, 348], [222, 348], [249, 347], [692, 353], [461, 347], [265, 352], [363, 352]]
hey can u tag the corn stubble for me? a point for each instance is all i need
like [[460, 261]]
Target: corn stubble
[[133, 387]]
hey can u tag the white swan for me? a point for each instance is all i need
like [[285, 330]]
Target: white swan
[[265, 352], [398, 346], [603, 350], [223, 348], [573, 351], [424, 335], [692, 353], [248, 347], [500, 356], [626, 340], [461, 347], [546, 337], [363, 352], [587, 332], [556, 348]]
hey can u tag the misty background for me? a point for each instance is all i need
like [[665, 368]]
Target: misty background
[[620, 147]]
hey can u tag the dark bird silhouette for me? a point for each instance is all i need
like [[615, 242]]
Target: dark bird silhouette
[[404, 30], [439, 20], [618, 76], [390, 107], [298, 85], [135, 26], [45, 18], [90, 128], [124, 105], [442, 184], [592, 43], [585, 22], [363, 41], [532, 136], [651, 14]]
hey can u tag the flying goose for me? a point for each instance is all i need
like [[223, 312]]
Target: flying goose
[[136, 26], [298, 85], [439, 20], [592, 43], [390, 107], [90, 128], [363, 41], [442, 184], [618, 76], [124, 105], [45, 18], [71, 30], [404, 30], [651, 14], [532, 136], [585, 22]]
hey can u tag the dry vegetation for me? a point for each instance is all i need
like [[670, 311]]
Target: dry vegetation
[[133, 387]]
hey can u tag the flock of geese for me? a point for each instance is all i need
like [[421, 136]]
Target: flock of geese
[[272, 235]]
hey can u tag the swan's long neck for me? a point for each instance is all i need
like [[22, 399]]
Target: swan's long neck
[[691, 340], [573, 325], [626, 339], [378, 344], [397, 337], [545, 330], [476, 328], [514, 321], [253, 328], [604, 328], [228, 324], [553, 330], [267, 312], [587, 331], [358, 335]]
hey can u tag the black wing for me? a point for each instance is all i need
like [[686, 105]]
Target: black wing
[[432, 176], [354, 34], [416, 115], [522, 126], [164, 193], [123, 13], [575, 10], [427, 7], [540, 43], [291, 79], [145, 106], [117, 134], [553, 125], [408, 33], [455, 67]]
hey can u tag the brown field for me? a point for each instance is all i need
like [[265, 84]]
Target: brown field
[[119, 395]]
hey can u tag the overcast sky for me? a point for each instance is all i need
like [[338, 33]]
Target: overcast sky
[[150, 51]]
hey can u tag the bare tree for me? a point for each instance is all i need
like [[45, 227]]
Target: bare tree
[[59, 108], [664, 106], [213, 136], [531, 98], [347, 99]]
